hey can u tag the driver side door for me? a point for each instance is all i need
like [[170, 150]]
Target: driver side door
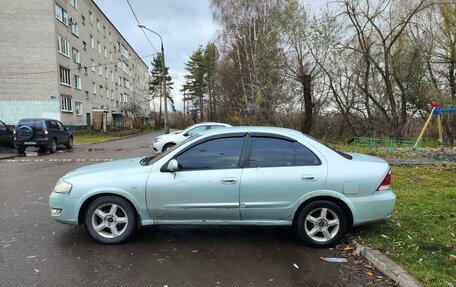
[[206, 186]]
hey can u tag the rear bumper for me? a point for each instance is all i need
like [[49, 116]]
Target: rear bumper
[[373, 208], [37, 143]]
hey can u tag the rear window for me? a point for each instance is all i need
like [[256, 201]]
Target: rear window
[[345, 155], [36, 125]]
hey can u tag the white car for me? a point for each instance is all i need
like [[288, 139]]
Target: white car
[[166, 141]]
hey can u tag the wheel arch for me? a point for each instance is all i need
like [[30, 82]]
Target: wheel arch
[[335, 200], [93, 197], [168, 143]]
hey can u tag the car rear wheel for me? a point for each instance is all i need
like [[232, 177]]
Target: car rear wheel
[[168, 146], [321, 224], [53, 146], [20, 149], [110, 219]]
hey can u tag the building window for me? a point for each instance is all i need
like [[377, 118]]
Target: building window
[[94, 88], [74, 3], [84, 45], [87, 95], [63, 46], [91, 18], [99, 47], [75, 29], [65, 76], [61, 14], [83, 20], [66, 104], [77, 82], [112, 94], [110, 56], [110, 38], [98, 25], [101, 91], [104, 31], [76, 56], [92, 42], [106, 73], [100, 69], [105, 52], [112, 76], [78, 108], [85, 70], [93, 65], [107, 93]]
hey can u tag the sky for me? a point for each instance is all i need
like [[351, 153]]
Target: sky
[[183, 25]]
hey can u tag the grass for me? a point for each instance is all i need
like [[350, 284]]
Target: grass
[[421, 233], [89, 137]]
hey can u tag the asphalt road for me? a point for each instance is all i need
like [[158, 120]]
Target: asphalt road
[[36, 251]]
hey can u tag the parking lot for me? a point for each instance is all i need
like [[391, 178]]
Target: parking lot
[[36, 251]]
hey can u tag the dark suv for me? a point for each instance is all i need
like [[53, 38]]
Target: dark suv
[[45, 134]]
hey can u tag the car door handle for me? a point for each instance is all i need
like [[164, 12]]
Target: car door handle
[[228, 180], [309, 177]]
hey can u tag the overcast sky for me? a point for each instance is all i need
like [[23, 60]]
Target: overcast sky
[[183, 25]]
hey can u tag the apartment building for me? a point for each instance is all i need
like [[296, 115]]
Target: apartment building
[[64, 59]]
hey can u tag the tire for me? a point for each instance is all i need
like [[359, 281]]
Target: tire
[[20, 149], [53, 146], [100, 211], [168, 146], [69, 145], [316, 229]]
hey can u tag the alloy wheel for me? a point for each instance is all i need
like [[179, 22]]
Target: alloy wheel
[[110, 220], [322, 224]]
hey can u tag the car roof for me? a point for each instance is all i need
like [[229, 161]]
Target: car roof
[[37, 119], [260, 129]]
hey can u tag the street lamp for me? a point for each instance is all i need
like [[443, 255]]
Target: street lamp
[[164, 76]]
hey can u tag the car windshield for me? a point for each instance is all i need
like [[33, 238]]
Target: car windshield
[[150, 160], [345, 155]]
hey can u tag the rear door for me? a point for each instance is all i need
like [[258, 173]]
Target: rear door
[[277, 172]]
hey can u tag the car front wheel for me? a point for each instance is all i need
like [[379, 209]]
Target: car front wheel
[[53, 146], [321, 224], [110, 219]]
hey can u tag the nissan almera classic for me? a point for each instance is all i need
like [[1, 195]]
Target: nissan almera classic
[[239, 175]]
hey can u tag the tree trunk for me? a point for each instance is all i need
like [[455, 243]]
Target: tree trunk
[[307, 120]]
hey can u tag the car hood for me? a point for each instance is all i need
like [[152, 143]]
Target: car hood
[[364, 157], [105, 166]]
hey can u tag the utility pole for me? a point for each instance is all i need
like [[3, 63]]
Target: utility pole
[[164, 77]]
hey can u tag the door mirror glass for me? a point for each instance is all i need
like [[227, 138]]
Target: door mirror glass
[[173, 165], [185, 134]]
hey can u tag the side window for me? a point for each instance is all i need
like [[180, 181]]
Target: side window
[[196, 130], [221, 153], [48, 124], [305, 156], [271, 152], [61, 127], [54, 125]]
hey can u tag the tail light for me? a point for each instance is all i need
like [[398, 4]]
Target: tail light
[[386, 183], [14, 131], [46, 132]]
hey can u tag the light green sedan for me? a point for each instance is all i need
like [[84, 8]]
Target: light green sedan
[[238, 175]]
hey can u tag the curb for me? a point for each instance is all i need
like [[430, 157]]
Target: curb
[[387, 266]]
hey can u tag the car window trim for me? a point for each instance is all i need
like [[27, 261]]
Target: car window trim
[[203, 140], [246, 163]]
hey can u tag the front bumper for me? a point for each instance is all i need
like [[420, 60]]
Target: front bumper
[[373, 208], [157, 146], [67, 205]]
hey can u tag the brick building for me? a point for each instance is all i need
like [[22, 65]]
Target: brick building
[[64, 59]]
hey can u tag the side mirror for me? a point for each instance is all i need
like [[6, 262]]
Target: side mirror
[[185, 135], [173, 165]]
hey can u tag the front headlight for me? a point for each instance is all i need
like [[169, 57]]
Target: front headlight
[[157, 140], [62, 186]]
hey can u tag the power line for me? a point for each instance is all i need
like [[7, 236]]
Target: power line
[[142, 29], [72, 69]]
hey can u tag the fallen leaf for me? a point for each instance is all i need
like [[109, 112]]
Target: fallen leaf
[[384, 236], [348, 248], [369, 273]]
